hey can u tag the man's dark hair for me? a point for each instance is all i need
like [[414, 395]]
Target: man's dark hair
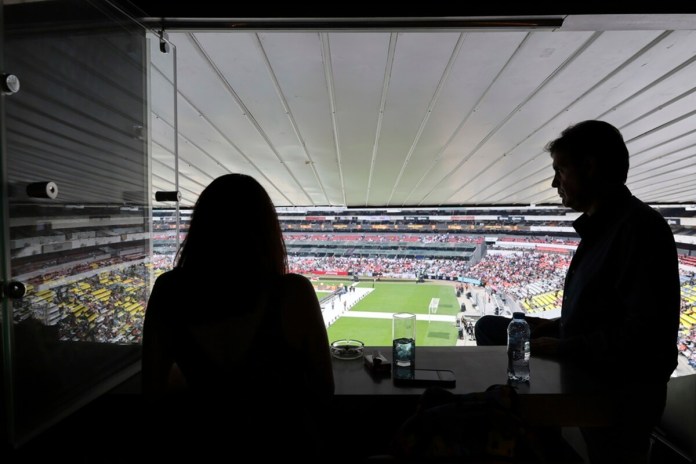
[[595, 139]]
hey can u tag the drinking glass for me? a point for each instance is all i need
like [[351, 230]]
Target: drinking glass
[[404, 340]]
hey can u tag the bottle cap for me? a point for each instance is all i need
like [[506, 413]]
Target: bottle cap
[[518, 315]]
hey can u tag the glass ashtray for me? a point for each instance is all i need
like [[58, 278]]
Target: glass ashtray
[[347, 349]]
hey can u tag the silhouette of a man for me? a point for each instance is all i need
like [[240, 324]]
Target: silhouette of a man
[[621, 298]]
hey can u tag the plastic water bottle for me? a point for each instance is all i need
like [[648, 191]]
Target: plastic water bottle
[[518, 348]]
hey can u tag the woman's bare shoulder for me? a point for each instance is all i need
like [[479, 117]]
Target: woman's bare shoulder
[[296, 280], [171, 277], [298, 289], [164, 292]]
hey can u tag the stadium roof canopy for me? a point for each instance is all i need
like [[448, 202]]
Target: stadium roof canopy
[[421, 111]]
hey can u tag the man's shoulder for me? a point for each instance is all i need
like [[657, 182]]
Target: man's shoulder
[[643, 214], [641, 223]]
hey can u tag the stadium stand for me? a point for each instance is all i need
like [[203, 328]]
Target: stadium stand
[[89, 274]]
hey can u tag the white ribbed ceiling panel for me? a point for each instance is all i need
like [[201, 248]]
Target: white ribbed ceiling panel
[[403, 118]]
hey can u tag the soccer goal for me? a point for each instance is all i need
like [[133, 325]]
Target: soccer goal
[[432, 307]]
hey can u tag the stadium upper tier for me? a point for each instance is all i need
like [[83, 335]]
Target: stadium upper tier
[[395, 246], [52, 236]]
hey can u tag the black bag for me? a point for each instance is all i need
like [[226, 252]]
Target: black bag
[[481, 427]]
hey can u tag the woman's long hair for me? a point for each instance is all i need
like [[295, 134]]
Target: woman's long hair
[[234, 230]]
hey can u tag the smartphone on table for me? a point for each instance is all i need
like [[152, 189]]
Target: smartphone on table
[[425, 378]]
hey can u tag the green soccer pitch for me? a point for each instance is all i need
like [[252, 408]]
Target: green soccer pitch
[[393, 297]]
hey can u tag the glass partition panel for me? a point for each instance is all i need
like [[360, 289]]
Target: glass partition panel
[[78, 203], [6, 390], [166, 234]]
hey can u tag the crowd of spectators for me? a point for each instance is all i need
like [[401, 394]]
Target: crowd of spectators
[[687, 331], [686, 342], [382, 238], [544, 240], [521, 274], [398, 268], [97, 302], [119, 316], [688, 261]]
